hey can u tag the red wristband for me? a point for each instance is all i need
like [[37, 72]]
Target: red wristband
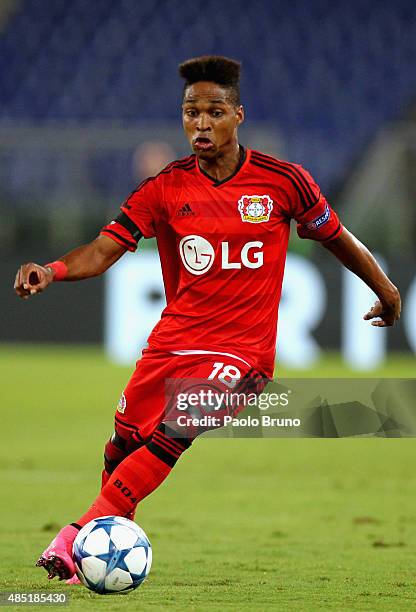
[[60, 270]]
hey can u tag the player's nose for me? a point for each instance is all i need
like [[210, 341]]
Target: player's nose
[[204, 123]]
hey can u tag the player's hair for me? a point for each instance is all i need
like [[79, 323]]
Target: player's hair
[[216, 69]]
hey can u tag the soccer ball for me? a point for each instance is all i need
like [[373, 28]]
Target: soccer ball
[[112, 555]]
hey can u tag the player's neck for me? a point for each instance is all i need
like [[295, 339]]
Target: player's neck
[[223, 166]]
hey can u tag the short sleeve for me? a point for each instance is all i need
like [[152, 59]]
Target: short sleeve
[[315, 218], [138, 218]]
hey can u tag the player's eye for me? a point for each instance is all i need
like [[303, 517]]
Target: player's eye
[[191, 112], [217, 113]]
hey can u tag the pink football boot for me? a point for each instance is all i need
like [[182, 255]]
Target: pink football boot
[[73, 580], [57, 558]]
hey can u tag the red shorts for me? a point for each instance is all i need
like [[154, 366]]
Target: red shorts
[[160, 378]]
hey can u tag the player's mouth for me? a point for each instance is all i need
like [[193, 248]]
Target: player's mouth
[[201, 143]]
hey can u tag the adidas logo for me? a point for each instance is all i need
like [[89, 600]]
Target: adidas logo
[[185, 211]]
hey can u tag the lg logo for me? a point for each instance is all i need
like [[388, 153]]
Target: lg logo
[[198, 255]]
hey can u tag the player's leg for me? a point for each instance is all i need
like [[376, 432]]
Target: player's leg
[[138, 475], [137, 416], [147, 467], [139, 411], [134, 478], [57, 558], [116, 449], [122, 443]]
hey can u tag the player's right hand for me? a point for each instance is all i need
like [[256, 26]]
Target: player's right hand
[[31, 279]]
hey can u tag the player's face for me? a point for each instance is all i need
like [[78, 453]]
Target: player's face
[[210, 119]]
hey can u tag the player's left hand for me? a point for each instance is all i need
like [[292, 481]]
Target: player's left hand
[[385, 314]]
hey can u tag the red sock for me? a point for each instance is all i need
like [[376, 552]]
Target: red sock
[[104, 478], [137, 476], [117, 449], [114, 452]]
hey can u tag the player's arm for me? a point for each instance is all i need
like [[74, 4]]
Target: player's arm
[[316, 220], [83, 262], [138, 217], [357, 258]]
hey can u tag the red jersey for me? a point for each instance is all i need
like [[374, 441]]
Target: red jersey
[[222, 247]]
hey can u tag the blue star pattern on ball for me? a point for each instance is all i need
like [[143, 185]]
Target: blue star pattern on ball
[[112, 555]]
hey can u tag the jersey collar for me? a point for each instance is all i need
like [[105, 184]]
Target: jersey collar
[[244, 158]]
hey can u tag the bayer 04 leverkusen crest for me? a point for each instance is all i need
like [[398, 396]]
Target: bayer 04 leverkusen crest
[[255, 208]]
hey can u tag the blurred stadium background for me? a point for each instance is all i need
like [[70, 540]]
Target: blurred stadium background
[[90, 105]]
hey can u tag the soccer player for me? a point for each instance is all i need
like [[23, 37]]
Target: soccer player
[[222, 219]]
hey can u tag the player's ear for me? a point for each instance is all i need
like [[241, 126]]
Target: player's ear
[[240, 114]]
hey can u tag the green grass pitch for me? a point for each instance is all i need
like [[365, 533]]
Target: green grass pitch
[[240, 524]]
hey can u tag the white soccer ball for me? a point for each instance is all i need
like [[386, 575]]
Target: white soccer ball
[[112, 555]]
